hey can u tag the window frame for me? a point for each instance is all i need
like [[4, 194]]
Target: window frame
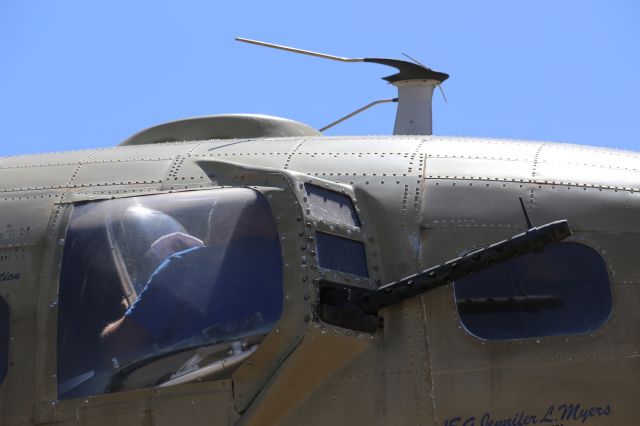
[[283, 191], [537, 338], [167, 207]]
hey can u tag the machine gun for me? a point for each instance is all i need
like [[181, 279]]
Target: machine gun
[[357, 308]]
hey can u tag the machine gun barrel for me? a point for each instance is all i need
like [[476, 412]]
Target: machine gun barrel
[[533, 240]]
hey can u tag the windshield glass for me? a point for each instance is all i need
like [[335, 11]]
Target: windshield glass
[[147, 277]]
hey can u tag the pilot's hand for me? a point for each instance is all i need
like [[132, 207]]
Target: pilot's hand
[[172, 243]]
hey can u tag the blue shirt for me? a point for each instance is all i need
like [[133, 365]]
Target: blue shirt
[[213, 293]]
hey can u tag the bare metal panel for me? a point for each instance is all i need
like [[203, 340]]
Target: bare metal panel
[[248, 148], [350, 165], [588, 209], [541, 393], [388, 382], [585, 174], [37, 178], [51, 159], [272, 160], [122, 173], [397, 240], [185, 173], [447, 242], [601, 158], [28, 226], [476, 148], [473, 204], [272, 153], [367, 144], [480, 169], [315, 361], [156, 152]]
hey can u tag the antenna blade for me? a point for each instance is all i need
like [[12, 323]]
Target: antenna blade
[[526, 215], [442, 91], [415, 61], [301, 51]]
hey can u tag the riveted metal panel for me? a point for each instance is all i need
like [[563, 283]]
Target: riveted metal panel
[[472, 393], [406, 362], [473, 204], [122, 173], [275, 160], [190, 412], [541, 393], [318, 357], [601, 158], [587, 209], [248, 148], [363, 164], [440, 244], [351, 394], [387, 381], [362, 144], [203, 402], [94, 193], [184, 174], [478, 168], [36, 178], [397, 240], [143, 152], [580, 174], [476, 148], [27, 225], [39, 160], [270, 153]]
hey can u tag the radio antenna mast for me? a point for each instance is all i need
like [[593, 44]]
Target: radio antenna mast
[[415, 83]]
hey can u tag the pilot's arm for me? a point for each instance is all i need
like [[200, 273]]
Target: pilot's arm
[[125, 339], [149, 319]]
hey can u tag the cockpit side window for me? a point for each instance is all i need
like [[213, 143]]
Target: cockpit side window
[[155, 288], [341, 254], [564, 289], [331, 205], [4, 338]]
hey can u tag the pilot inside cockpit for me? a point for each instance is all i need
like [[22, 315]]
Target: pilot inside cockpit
[[206, 291], [164, 278], [141, 238]]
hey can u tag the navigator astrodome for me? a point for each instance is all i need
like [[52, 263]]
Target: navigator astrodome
[[248, 270]]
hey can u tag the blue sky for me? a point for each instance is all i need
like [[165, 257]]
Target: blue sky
[[78, 74]]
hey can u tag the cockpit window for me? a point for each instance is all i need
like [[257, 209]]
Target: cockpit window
[[4, 338], [564, 289], [165, 289]]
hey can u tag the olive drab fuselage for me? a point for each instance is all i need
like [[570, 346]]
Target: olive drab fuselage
[[436, 359]]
